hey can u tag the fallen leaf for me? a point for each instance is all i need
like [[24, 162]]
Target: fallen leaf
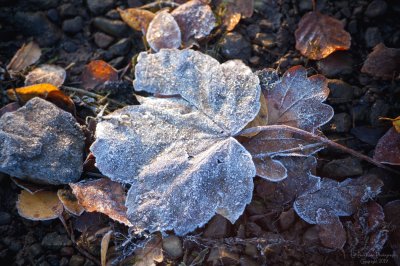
[[188, 167], [96, 73], [383, 62], [136, 18], [104, 247], [150, 253], [244, 7], [387, 149], [29, 92], [27, 55], [62, 101], [28, 186], [262, 117], [330, 230], [337, 198], [195, 19], [41, 206], [163, 32], [102, 195], [70, 202], [50, 74], [229, 16], [319, 35]]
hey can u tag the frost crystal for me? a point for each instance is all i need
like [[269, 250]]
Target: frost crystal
[[178, 153]]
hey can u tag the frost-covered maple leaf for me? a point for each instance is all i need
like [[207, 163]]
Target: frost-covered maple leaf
[[179, 154]]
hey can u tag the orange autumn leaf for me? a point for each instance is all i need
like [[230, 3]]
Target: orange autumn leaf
[[70, 202], [29, 92], [41, 206], [319, 35], [138, 19], [96, 73]]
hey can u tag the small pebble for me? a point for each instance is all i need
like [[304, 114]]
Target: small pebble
[[172, 245], [235, 46], [372, 37], [102, 40], [343, 168], [72, 25], [99, 7], [5, 218], [218, 227], [76, 260], [376, 8]]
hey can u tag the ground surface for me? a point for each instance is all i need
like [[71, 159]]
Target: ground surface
[[69, 32]]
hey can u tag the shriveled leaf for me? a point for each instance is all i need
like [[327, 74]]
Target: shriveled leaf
[[383, 62], [41, 206], [387, 149], [295, 100], [337, 198], [188, 166], [331, 231], [70, 202], [275, 141], [50, 74], [96, 73], [102, 195], [136, 18], [319, 35], [27, 55], [104, 247], [163, 32], [195, 19], [150, 253], [29, 92]]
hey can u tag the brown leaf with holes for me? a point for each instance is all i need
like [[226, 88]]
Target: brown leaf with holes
[[388, 148], [96, 73], [319, 35], [102, 195], [41, 206], [136, 18], [70, 202], [27, 55], [383, 62]]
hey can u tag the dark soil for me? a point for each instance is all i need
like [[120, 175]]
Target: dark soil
[[72, 33]]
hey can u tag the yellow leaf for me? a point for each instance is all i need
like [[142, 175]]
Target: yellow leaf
[[41, 206], [29, 92]]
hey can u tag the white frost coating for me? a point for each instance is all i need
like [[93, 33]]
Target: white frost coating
[[195, 19], [178, 154], [163, 32]]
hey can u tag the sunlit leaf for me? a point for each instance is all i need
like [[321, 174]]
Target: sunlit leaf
[[387, 149], [138, 19], [383, 62], [27, 55], [188, 166], [70, 202], [96, 73], [50, 74], [29, 92], [163, 32], [102, 195], [41, 206], [319, 35]]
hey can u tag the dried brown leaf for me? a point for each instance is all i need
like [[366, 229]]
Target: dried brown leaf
[[70, 202], [41, 206], [330, 230], [96, 73], [51, 74], [104, 247], [27, 55], [28, 186], [387, 149], [102, 195], [163, 32], [383, 62], [136, 18], [319, 35], [150, 253]]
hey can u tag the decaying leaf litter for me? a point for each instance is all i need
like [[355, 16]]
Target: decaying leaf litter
[[190, 150]]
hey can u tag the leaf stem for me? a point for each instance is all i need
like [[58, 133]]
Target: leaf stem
[[328, 142], [94, 95]]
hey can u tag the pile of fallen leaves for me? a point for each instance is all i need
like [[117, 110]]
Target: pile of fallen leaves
[[193, 146]]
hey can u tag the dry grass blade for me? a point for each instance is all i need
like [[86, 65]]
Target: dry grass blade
[[105, 241]]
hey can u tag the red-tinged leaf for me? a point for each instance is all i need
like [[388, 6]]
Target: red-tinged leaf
[[331, 231], [102, 195], [41, 206], [70, 202], [11, 107], [62, 101], [136, 18], [96, 73], [295, 100], [195, 19], [51, 74], [319, 35], [27, 55], [163, 32], [388, 148], [383, 62]]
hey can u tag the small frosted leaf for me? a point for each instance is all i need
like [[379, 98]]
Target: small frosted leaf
[[276, 141], [295, 100], [51, 74], [195, 19], [163, 32], [228, 93], [331, 231], [337, 198]]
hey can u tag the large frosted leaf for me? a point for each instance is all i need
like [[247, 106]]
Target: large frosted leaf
[[178, 154], [337, 198], [295, 100]]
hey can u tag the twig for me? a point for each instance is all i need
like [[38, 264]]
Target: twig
[[255, 130], [94, 95]]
